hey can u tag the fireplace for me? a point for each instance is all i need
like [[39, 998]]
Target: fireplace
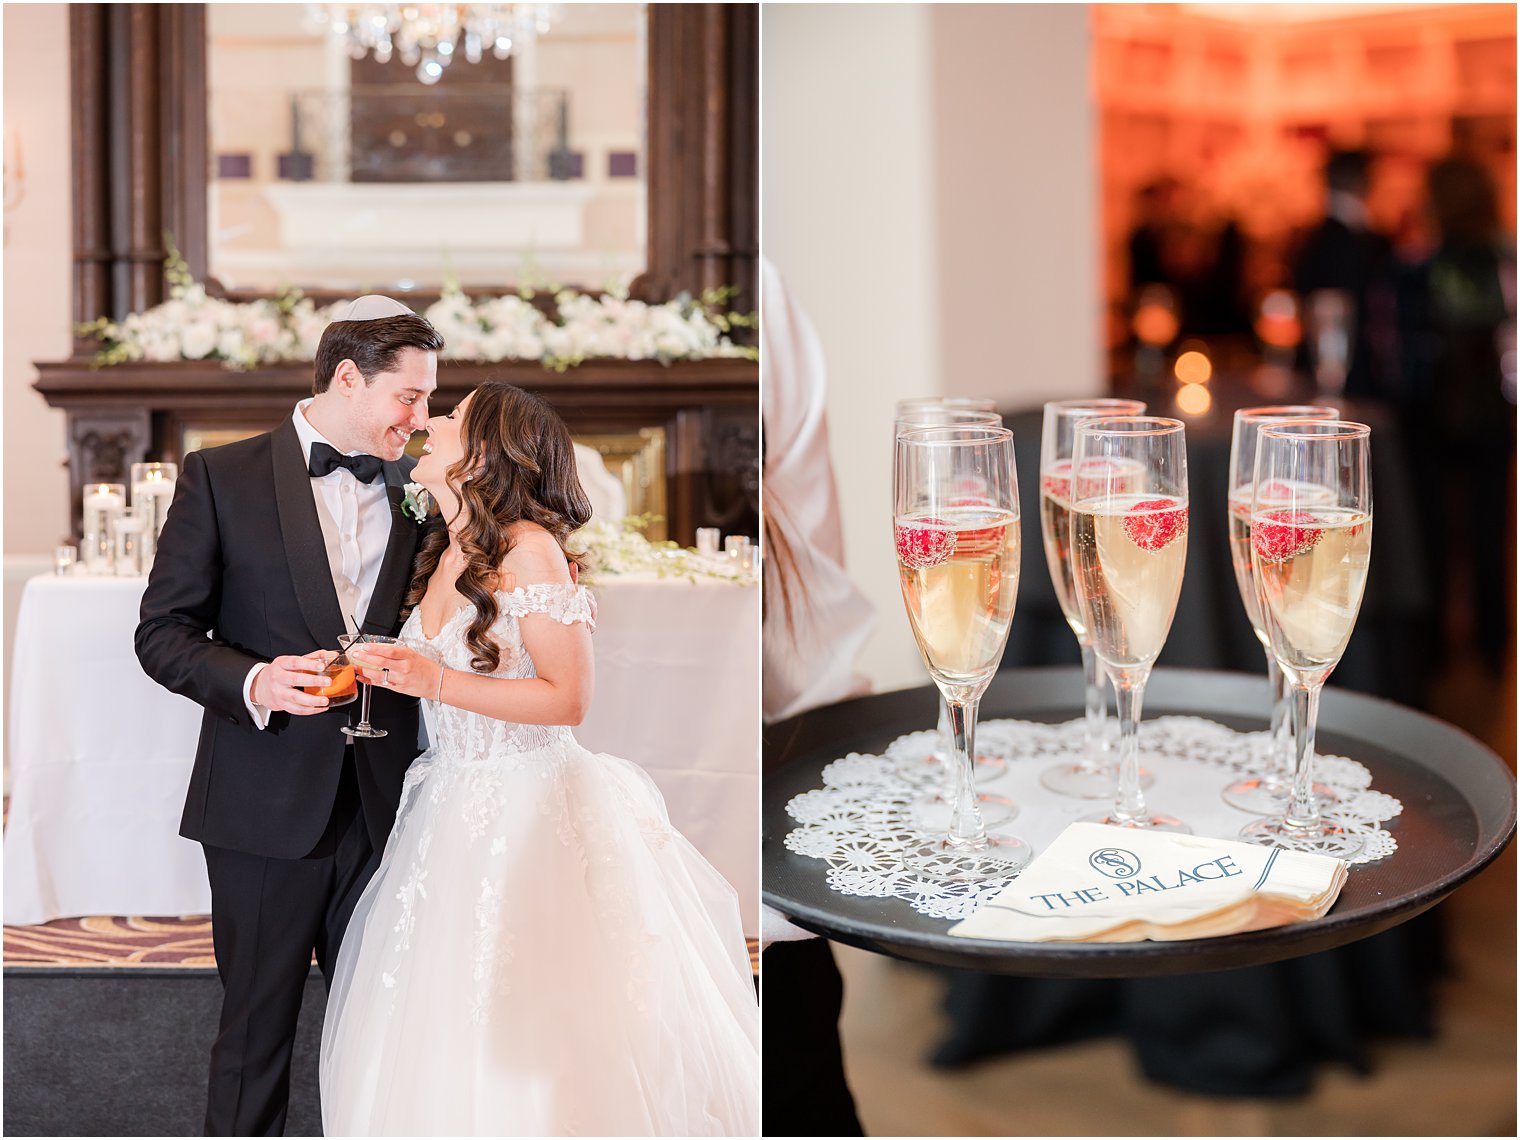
[[683, 438]]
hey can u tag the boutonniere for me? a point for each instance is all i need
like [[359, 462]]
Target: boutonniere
[[417, 503]]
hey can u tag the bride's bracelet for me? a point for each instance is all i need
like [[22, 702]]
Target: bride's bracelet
[[438, 696]]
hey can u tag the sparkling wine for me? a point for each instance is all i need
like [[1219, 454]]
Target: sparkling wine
[[1055, 520], [1055, 528], [1312, 566], [1302, 494], [959, 572], [1127, 560]]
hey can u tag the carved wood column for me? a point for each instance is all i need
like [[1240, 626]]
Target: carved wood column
[[90, 143], [703, 144], [186, 137], [140, 149], [137, 219]]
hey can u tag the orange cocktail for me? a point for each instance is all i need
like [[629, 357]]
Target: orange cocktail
[[341, 686]]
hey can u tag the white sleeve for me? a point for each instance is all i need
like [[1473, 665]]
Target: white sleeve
[[811, 663], [259, 713]]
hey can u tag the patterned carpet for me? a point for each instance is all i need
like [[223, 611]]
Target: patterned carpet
[[112, 942], [117, 942]]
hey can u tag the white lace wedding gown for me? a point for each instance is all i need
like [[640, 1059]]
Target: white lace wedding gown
[[540, 952]]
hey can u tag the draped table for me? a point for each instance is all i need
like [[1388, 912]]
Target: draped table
[[100, 755]]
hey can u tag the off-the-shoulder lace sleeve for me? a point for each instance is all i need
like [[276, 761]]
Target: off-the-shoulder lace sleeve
[[563, 602]]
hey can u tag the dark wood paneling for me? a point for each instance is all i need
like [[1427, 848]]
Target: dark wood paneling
[[138, 243], [135, 412], [703, 150], [186, 139], [90, 142], [472, 97]]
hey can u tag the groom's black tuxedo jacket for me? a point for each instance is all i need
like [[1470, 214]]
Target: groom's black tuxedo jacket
[[241, 558]]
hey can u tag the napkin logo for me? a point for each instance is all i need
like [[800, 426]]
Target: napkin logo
[[1115, 862]]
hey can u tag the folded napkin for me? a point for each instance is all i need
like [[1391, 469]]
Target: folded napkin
[[1097, 883]]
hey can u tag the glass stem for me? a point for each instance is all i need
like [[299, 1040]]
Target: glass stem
[[966, 828], [1092, 680], [364, 707], [1303, 808], [1129, 692], [1281, 768]]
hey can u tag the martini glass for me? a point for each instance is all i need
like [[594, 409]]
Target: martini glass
[[364, 728]]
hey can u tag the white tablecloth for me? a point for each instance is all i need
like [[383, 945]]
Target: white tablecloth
[[100, 755]]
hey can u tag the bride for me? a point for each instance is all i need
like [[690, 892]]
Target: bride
[[540, 952]]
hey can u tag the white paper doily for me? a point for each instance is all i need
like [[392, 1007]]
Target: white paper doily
[[859, 821]]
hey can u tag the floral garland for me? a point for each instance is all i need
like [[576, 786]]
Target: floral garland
[[193, 326], [613, 548]]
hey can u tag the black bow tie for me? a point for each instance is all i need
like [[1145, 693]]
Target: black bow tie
[[325, 459]]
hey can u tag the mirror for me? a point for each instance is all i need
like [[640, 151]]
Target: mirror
[[340, 168]]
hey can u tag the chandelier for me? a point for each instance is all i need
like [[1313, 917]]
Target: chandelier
[[429, 36]]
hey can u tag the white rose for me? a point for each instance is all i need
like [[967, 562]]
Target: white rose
[[264, 330], [163, 346], [197, 340]]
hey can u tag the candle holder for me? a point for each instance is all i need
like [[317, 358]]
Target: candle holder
[[103, 504], [128, 541], [152, 492]]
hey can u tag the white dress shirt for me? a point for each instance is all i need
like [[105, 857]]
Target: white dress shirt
[[356, 528]]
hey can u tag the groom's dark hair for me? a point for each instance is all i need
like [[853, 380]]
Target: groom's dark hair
[[372, 345]]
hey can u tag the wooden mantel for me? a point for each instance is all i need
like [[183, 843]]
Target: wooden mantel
[[708, 411]]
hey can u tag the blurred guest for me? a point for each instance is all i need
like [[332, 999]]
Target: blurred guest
[[1457, 326], [1200, 260], [815, 623], [1155, 224], [1343, 273], [1224, 307]]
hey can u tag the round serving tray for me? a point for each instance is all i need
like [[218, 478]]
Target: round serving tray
[[1459, 813]]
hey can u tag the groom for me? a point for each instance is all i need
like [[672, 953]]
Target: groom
[[270, 545]]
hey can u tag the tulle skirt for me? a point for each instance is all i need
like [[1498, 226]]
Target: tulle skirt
[[540, 953]]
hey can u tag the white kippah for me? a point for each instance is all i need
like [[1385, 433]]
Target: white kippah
[[372, 307]]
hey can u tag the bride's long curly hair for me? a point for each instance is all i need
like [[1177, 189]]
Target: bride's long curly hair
[[518, 465]]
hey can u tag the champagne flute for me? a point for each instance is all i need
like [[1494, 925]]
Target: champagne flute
[[948, 403], [1310, 558], [955, 508], [931, 811], [368, 731], [1266, 794], [1091, 777], [1129, 516]]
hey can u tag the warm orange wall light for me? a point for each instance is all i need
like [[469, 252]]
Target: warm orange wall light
[[1240, 103]]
